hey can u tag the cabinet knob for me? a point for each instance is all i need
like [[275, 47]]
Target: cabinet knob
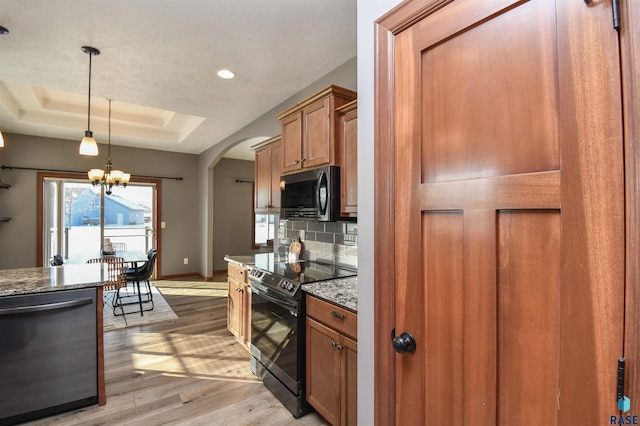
[[297, 162]]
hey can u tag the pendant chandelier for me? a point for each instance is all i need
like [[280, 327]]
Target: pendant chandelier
[[109, 177], [88, 145]]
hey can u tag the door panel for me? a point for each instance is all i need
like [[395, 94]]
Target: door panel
[[497, 107], [528, 290], [443, 244], [505, 208]]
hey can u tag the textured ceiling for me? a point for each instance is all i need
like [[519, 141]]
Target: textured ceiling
[[158, 64]]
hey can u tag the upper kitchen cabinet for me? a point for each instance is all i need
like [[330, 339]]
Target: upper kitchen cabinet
[[309, 130], [268, 164], [348, 159]]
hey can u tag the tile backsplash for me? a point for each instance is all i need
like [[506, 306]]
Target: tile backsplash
[[331, 242]]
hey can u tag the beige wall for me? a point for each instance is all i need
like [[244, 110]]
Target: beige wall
[[179, 198]]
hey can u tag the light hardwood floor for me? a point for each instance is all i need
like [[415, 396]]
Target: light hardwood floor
[[188, 371]]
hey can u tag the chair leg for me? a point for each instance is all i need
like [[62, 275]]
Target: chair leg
[[150, 293], [117, 302]]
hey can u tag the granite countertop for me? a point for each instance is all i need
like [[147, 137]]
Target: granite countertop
[[243, 261], [342, 291], [55, 278]]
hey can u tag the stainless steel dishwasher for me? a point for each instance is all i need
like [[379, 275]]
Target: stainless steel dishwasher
[[48, 354]]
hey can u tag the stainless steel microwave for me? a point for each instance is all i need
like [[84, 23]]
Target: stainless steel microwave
[[311, 194]]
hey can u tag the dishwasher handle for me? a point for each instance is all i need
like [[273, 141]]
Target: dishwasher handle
[[25, 310]]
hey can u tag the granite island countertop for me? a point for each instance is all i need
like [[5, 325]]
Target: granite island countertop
[[55, 278], [341, 291], [242, 261]]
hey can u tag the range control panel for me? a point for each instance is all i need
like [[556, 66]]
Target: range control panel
[[274, 281]]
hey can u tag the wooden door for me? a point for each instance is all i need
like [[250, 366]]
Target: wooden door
[[323, 370], [245, 315], [263, 179], [234, 307], [276, 166], [500, 213], [348, 134], [317, 135], [292, 142], [349, 373]]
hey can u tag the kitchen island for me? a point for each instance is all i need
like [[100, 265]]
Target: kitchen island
[[51, 340]]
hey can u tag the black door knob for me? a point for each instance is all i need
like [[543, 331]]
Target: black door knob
[[403, 343]]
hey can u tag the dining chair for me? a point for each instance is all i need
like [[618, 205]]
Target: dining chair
[[141, 268], [116, 280], [143, 275]]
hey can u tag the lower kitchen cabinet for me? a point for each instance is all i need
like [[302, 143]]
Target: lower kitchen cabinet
[[332, 364], [239, 304]]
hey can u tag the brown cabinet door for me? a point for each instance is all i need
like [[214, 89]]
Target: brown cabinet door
[[267, 169], [323, 370], [276, 166], [292, 142], [501, 196], [245, 320], [263, 179], [318, 141], [349, 382], [234, 307], [348, 135]]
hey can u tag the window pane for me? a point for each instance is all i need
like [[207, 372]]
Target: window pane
[[265, 227]]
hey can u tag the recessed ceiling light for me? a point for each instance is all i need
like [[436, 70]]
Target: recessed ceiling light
[[3, 30], [226, 74]]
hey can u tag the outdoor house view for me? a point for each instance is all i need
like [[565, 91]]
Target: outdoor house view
[[77, 225]]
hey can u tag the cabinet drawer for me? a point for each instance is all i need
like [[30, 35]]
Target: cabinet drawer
[[340, 319], [237, 273]]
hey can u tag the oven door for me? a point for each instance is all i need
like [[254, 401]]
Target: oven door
[[276, 337]]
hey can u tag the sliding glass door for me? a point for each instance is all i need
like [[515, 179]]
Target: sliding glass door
[[78, 219]]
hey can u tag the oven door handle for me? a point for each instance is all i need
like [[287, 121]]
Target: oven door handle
[[258, 290]]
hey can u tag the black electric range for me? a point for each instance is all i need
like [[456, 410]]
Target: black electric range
[[278, 323]]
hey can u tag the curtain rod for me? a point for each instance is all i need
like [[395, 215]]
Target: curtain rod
[[84, 173], [244, 181]]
